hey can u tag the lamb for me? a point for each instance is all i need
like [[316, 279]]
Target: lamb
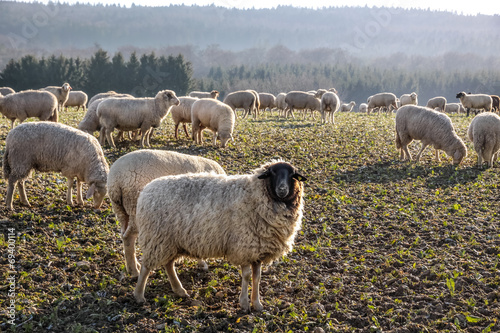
[[409, 99], [244, 99], [214, 115], [431, 128], [347, 107], [267, 101], [61, 93], [129, 114], [182, 114], [201, 94], [301, 100], [496, 103], [329, 103], [454, 108], [90, 122], [6, 91], [475, 101], [382, 100], [249, 220], [29, 103], [77, 98], [438, 102], [363, 107], [484, 132], [46, 146]]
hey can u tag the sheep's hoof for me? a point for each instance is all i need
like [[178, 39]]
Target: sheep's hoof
[[258, 307], [245, 305], [139, 298]]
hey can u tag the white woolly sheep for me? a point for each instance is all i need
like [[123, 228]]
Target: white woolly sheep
[[280, 103], [438, 102], [182, 114], [202, 94], [301, 100], [382, 100], [484, 132], [29, 103], [475, 101], [454, 108], [363, 107], [103, 95], [329, 103], [6, 91], [129, 114], [408, 99], [215, 116], [46, 146], [249, 220], [128, 176], [431, 128], [347, 107], [61, 93], [77, 98], [267, 100], [90, 122], [241, 99]]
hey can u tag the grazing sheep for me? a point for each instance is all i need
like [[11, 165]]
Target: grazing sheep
[[382, 100], [347, 107], [244, 99], [182, 114], [438, 102], [329, 103], [29, 103], [409, 99], [46, 146], [103, 95], [128, 176], [257, 104], [77, 98], [495, 103], [484, 132], [6, 91], [249, 220], [61, 93], [214, 115], [431, 128], [475, 101], [454, 108], [90, 122], [201, 94], [280, 103], [301, 100], [129, 114], [363, 107], [267, 101]]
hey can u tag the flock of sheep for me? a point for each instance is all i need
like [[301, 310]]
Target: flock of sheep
[[177, 205]]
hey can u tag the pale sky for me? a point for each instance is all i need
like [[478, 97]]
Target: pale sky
[[467, 7]]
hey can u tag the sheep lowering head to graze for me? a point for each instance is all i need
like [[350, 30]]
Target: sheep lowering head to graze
[[496, 103], [249, 220], [382, 100], [29, 103], [484, 132], [301, 100], [363, 107], [46, 146], [267, 100], [438, 103], [182, 114], [90, 122], [454, 108], [431, 128], [475, 101], [77, 98], [347, 107], [202, 94], [215, 116]]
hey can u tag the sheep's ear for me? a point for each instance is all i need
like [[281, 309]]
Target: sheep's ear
[[90, 192], [264, 175], [299, 177]]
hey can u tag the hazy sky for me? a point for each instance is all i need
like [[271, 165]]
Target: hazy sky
[[471, 7]]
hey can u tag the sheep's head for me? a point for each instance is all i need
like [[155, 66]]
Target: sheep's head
[[282, 178], [170, 98], [98, 191], [214, 94], [459, 154], [461, 94], [66, 86]]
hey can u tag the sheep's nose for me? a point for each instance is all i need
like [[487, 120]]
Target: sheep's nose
[[282, 191]]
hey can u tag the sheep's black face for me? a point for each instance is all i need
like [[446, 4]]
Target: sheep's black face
[[282, 176], [460, 94]]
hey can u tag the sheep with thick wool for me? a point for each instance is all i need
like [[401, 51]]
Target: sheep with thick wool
[[107, 94], [249, 220], [29, 103], [90, 122], [77, 98], [438, 102], [408, 99], [267, 100], [484, 132], [46, 146], [431, 128], [214, 115], [475, 101], [301, 100], [61, 93], [347, 107], [204, 94], [382, 100], [454, 108], [6, 91], [182, 114], [329, 105], [130, 173], [242, 99]]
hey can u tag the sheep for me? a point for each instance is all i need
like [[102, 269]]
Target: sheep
[[496, 103], [484, 132], [182, 114], [102, 95], [347, 107], [61, 93], [46, 146], [201, 94], [249, 220], [29, 103], [329, 103], [280, 103], [90, 122], [267, 101], [129, 114], [438, 103], [6, 91], [363, 107], [77, 98], [128, 176], [475, 101], [301, 100], [382, 100], [409, 99], [214, 115], [244, 99], [454, 108], [257, 104], [431, 128]]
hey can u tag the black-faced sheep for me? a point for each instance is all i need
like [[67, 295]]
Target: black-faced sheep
[[475, 101]]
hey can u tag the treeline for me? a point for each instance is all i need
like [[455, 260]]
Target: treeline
[[139, 76]]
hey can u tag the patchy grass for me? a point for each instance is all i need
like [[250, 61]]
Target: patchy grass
[[385, 245]]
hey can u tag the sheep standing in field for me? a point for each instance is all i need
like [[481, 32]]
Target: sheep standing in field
[[6, 91], [110, 93], [438, 102], [301, 100], [77, 98], [128, 176], [329, 105], [214, 115], [431, 128], [182, 114], [484, 132], [29, 103], [454, 108], [267, 101], [241, 99], [61, 93], [46, 146], [495, 106], [280, 103], [363, 107], [201, 94], [475, 101], [408, 99], [130, 114], [249, 220], [347, 107], [382, 100], [90, 122]]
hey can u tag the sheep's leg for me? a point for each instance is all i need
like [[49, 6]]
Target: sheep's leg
[[246, 273], [407, 154], [69, 192], [214, 139], [79, 195], [141, 284], [176, 131], [438, 159], [102, 136], [109, 137], [174, 280], [131, 262], [256, 268], [421, 151], [22, 193], [10, 193], [185, 130]]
